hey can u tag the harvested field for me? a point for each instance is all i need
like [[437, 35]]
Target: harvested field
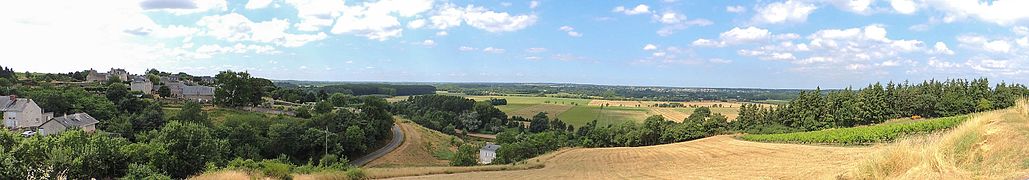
[[652, 103], [580, 115], [721, 157], [420, 148], [670, 114], [551, 110]]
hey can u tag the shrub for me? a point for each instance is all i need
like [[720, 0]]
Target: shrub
[[863, 134]]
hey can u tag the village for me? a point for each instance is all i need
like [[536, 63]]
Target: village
[[25, 116]]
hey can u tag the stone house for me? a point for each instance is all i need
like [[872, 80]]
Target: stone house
[[60, 124], [142, 84], [198, 93], [94, 76], [21, 113]]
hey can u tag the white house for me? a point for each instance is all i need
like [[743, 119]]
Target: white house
[[488, 153], [141, 84], [20, 112]]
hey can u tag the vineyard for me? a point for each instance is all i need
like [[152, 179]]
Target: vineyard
[[862, 134]]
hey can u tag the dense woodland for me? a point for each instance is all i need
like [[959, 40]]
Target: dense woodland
[[138, 139]]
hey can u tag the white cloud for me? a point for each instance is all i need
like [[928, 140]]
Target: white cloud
[[676, 21], [492, 21], [533, 58], [257, 4], [941, 48], [639, 9], [782, 12], [536, 50], [856, 6], [428, 42], [534, 4], [735, 9], [442, 33], [997, 46], [316, 14], [183, 7], [904, 6], [209, 50], [571, 31], [493, 50], [466, 48], [378, 20], [999, 12], [415, 24], [736, 35], [235, 27], [649, 47]]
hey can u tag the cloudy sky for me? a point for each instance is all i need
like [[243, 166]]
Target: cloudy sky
[[772, 44]]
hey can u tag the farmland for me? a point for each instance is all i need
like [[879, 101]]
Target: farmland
[[578, 112], [862, 134], [714, 157]]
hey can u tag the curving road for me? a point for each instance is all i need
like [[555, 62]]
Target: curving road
[[398, 138]]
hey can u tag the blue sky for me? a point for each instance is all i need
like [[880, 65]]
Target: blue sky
[[768, 44]]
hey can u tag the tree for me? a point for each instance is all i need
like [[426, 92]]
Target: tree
[[466, 155], [117, 91], [193, 112], [470, 120], [340, 99], [190, 146], [983, 105], [164, 91], [238, 89], [354, 137], [303, 112], [323, 107], [539, 123]]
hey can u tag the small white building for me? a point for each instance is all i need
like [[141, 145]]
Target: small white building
[[488, 153]]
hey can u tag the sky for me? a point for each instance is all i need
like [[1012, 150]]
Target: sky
[[758, 44]]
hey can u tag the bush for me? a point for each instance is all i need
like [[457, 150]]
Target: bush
[[466, 156], [356, 173]]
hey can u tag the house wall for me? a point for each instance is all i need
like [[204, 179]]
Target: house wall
[[31, 116], [145, 87], [486, 157], [51, 127]]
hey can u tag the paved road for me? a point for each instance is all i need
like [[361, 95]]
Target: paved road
[[398, 138]]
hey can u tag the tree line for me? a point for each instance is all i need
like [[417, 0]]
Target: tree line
[[446, 113]]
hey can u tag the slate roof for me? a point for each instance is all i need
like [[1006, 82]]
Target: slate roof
[[17, 105], [197, 90], [491, 147], [75, 120]]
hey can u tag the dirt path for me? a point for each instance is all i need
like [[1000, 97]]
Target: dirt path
[[398, 138], [416, 150], [719, 157]]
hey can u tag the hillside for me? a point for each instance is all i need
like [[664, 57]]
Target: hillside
[[421, 147]]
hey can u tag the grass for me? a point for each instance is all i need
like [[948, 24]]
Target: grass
[[863, 134], [218, 115], [580, 115], [513, 107], [989, 145]]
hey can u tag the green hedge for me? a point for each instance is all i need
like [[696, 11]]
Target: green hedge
[[863, 134]]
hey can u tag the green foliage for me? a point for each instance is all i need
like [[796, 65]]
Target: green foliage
[[356, 173], [303, 112], [193, 112], [323, 107], [467, 155], [238, 89], [164, 91], [137, 171], [863, 134], [444, 113], [117, 91], [191, 145]]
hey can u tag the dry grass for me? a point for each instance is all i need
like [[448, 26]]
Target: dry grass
[[534, 163], [551, 110], [719, 157], [990, 145], [417, 150], [670, 114], [228, 175]]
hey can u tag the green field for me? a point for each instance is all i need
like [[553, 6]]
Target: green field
[[580, 115], [862, 134], [534, 100]]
